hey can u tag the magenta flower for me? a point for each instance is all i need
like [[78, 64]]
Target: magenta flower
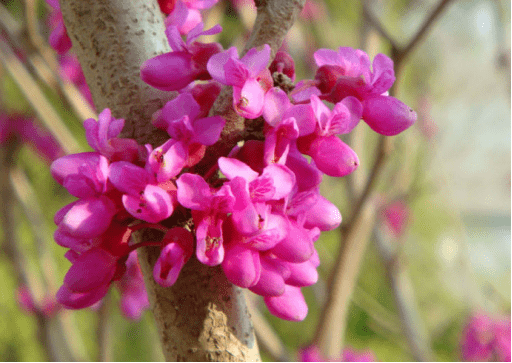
[[347, 73], [186, 63], [88, 279], [289, 306], [249, 77], [48, 307], [134, 299], [102, 137], [144, 198], [212, 208], [331, 155], [177, 250], [70, 70]]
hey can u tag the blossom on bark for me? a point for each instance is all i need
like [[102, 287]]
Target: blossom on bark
[[249, 77]]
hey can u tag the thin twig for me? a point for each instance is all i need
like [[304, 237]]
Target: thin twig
[[413, 326], [43, 61], [268, 339], [26, 197], [35, 96], [14, 255]]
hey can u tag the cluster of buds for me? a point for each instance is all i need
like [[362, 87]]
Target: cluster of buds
[[257, 211]]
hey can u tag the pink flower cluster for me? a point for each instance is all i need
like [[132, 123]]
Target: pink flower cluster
[[485, 339], [258, 211]]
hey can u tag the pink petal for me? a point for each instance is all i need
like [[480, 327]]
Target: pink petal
[[169, 71], [383, 75], [302, 274], [257, 60], [283, 179], [77, 244], [71, 164], [128, 178], [184, 104], [333, 157], [59, 39], [346, 115], [207, 130], [210, 246], [217, 62], [153, 206], [326, 57], [296, 246], [304, 116], [241, 265], [193, 192], [169, 264], [271, 282], [276, 103], [236, 72], [248, 101], [289, 306], [232, 168], [387, 115], [89, 218], [90, 271], [323, 214], [76, 300]]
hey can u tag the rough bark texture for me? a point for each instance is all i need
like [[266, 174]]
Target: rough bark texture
[[112, 39]]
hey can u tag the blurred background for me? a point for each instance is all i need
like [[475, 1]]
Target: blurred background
[[441, 203]]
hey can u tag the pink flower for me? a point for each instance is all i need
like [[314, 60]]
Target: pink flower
[[186, 63], [144, 198], [212, 208], [48, 307], [249, 77], [88, 279], [24, 129], [102, 137], [177, 250], [331, 155], [347, 73]]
